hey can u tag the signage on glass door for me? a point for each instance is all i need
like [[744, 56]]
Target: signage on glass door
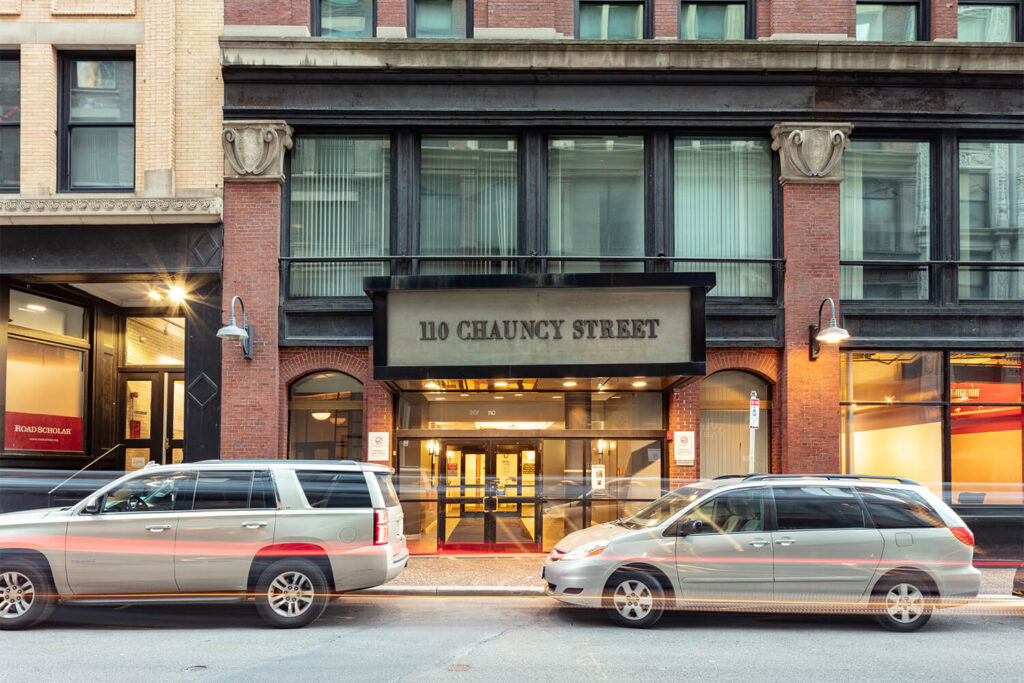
[[624, 324]]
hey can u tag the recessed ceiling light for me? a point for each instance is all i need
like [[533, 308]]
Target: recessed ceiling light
[[463, 395], [518, 394], [640, 384], [154, 295], [501, 384], [556, 397], [35, 307], [176, 294], [439, 398], [432, 385], [499, 397], [568, 383]]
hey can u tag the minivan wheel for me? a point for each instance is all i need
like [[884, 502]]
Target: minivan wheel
[[634, 599], [26, 595], [291, 593], [903, 603]]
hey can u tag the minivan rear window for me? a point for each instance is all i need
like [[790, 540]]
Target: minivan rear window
[[817, 507], [899, 509], [335, 489], [387, 489]]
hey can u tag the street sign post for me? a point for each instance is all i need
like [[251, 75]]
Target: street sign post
[[755, 422]]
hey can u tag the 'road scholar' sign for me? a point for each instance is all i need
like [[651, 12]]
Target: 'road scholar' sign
[[537, 331]]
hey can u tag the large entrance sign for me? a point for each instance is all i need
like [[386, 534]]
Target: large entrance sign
[[553, 325]]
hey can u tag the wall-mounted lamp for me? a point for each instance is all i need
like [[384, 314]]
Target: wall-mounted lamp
[[232, 332], [320, 415], [833, 334], [601, 446], [433, 447]]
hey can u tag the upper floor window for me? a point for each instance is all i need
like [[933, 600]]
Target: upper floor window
[[885, 220], [344, 18], [10, 118], [441, 19], [623, 20], [97, 116], [896, 20], [715, 20], [991, 219], [989, 21]]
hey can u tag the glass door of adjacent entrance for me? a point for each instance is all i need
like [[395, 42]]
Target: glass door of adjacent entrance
[[489, 496], [153, 417]]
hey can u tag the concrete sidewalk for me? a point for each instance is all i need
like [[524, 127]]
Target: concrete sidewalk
[[520, 575]]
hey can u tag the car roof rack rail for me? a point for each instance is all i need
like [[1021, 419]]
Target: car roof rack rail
[[870, 477], [257, 461]]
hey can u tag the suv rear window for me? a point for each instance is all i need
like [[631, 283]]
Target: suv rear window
[[899, 509], [335, 489], [387, 489]]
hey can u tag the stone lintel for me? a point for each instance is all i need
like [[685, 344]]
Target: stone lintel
[[94, 210]]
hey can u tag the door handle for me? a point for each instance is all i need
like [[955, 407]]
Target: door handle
[[785, 541], [157, 528], [760, 543], [253, 525]]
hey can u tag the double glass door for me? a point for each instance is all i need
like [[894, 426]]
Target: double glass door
[[489, 496], [152, 418]]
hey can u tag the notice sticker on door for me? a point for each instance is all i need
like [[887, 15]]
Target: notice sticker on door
[[597, 477], [380, 443]]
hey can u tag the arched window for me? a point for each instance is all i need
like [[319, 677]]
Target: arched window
[[725, 424], [325, 417]]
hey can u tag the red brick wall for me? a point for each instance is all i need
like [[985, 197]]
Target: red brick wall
[[807, 16], [355, 361], [684, 404], [944, 19], [252, 245], [666, 19], [263, 12], [391, 13], [810, 390]]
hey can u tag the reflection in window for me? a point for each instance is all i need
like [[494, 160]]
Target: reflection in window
[[723, 209], [155, 341], [712, 21], [46, 315], [885, 215], [991, 220], [813, 507], [325, 418], [45, 397], [888, 440], [468, 202], [891, 377], [985, 23], [155, 493], [889, 22], [596, 201], [731, 513], [10, 118], [340, 206], [440, 19], [611, 20], [100, 123], [346, 18], [725, 424]]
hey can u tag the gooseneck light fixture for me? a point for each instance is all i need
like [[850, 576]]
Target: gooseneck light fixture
[[232, 332], [833, 334]]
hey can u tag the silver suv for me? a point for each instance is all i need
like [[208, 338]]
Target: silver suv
[[290, 534], [886, 546]]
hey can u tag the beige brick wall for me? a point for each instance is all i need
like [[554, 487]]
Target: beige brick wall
[[178, 90]]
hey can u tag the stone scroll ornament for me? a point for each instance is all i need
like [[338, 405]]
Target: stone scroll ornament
[[254, 150], [811, 153]]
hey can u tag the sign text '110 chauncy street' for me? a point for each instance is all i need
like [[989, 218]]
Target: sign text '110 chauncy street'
[[510, 330]]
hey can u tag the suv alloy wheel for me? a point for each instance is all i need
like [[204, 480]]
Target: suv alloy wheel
[[291, 593], [26, 595]]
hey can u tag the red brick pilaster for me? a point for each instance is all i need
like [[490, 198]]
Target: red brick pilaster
[[807, 16], [944, 20], [267, 12], [666, 19]]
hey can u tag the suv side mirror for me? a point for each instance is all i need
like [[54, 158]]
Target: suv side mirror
[[92, 507], [689, 527]]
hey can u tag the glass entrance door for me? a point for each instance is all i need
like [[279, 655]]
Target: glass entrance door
[[152, 418], [488, 497]]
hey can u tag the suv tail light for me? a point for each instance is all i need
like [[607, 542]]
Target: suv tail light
[[964, 535], [380, 526]]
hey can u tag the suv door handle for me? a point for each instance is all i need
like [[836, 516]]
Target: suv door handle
[[253, 525], [786, 541], [759, 543], [157, 528]]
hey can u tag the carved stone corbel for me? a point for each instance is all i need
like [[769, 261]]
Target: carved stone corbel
[[254, 150], [811, 152]]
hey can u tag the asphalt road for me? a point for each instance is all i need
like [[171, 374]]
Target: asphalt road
[[502, 638]]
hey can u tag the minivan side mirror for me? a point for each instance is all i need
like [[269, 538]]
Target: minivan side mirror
[[92, 507], [689, 526]]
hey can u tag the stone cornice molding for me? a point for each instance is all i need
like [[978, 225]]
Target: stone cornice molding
[[254, 150], [811, 152], [107, 211]]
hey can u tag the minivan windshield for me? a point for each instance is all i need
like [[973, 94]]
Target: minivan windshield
[[663, 508]]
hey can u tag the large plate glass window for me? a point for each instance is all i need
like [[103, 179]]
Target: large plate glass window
[[468, 203], [45, 397], [888, 21], [98, 115], [622, 20], [723, 209], [885, 220], [10, 118], [988, 21], [345, 18], [325, 417], [340, 207], [991, 219], [596, 202], [702, 20], [440, 19]]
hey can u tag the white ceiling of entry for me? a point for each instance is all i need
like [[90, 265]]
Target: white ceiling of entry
[[123, 294]]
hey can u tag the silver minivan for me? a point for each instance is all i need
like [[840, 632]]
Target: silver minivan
[[290, 534], [887, 546]]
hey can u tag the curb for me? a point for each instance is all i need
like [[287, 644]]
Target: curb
[[454, 591]]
